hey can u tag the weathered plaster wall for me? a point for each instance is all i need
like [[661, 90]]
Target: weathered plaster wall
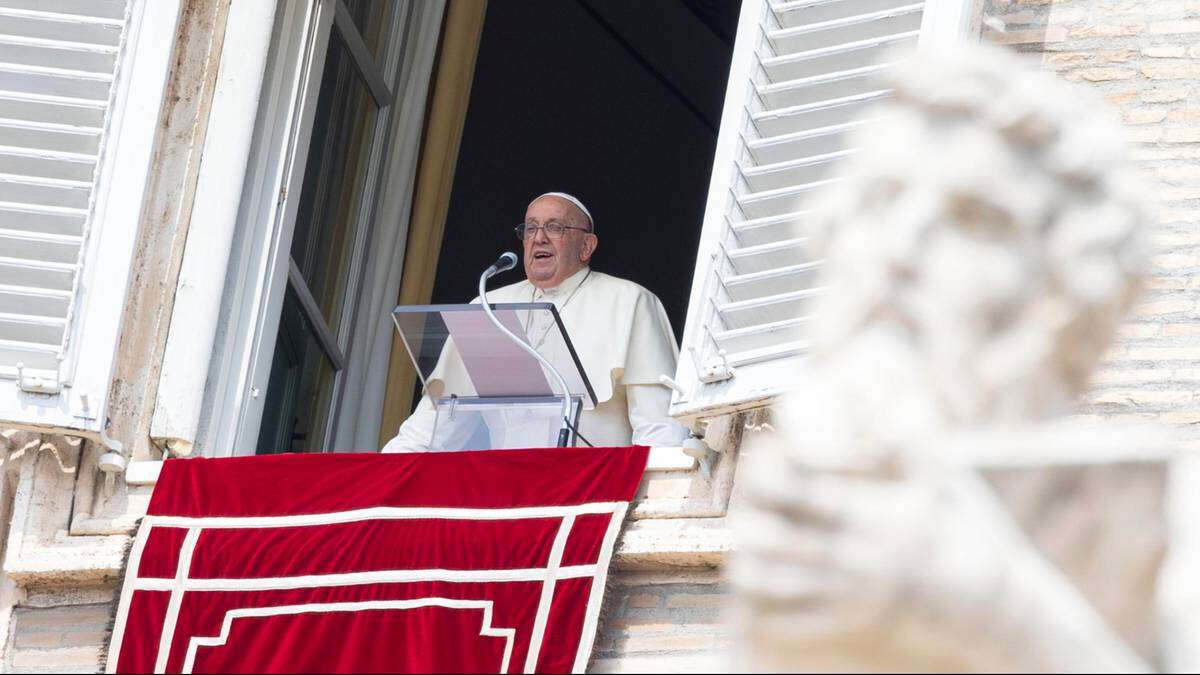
[[65, 523]]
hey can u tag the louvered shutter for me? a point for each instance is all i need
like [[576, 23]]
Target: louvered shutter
[[804, 72], [77, 118]]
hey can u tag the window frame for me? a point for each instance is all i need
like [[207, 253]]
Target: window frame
[[330, 16], [210, 407], [79, 405]]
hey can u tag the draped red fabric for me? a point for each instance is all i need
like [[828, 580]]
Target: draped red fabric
[[491, 561]]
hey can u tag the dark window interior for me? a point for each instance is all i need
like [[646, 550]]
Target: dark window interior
[[615, 101]]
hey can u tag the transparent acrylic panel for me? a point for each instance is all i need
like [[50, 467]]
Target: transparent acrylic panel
[[458, 352], [500, 424]]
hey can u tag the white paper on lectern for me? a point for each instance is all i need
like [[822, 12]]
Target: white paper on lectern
[[495, 364]]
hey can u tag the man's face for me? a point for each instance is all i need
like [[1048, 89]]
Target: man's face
[[548, 261]]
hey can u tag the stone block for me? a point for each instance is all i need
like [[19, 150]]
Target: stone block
[[1182, 330], [1144, 135], [1059, 60], [1179, 215], [1142, 397], [1175, 261], [1181, 135], [1108, 30], [1184, 115], [77, 617], [68, 659], [643, 601], [1171, 71], [1185, 193], [697, 601], [1102, 74], [1145, 116], [1164, 51], [1163, 354], [674, 642], [1165, 95], [1181, 27], [1029, 36]]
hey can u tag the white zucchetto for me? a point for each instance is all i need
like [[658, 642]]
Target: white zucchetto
[[573, 200]]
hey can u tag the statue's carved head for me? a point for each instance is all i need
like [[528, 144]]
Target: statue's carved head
[[993, 224]]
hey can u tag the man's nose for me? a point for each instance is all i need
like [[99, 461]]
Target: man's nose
[[540, 236]]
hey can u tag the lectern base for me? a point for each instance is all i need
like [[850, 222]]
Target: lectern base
[[474, 423]]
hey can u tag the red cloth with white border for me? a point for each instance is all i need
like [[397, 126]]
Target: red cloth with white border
[[490, 561]]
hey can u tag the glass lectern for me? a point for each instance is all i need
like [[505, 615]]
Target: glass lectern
[[486, 391]]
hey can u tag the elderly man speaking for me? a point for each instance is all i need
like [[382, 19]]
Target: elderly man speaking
[[619, 329]]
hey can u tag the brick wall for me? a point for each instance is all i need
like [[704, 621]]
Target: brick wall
[[1144, 57], [662, 622], [66, 639]]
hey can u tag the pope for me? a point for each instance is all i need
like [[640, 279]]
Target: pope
[[620, 332]]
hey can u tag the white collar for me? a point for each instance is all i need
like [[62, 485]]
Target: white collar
[[567, 287]]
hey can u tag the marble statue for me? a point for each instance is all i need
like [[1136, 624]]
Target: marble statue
[[977, 263]]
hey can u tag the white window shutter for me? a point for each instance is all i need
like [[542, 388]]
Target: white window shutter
[[81, 86], [803, 73]]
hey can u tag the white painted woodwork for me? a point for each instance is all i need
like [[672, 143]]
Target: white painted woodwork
[[228, 162], [81, 85], [803, 74], [51, 61]]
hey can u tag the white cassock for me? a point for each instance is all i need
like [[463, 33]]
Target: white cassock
[[624, 341]]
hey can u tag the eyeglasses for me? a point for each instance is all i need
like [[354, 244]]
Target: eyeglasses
[[554, 230]]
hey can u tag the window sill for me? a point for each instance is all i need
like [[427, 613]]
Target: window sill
[[677, 542], [670, 459], [146, 472]]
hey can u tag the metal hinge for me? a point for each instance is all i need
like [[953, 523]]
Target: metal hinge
[[37, 384]]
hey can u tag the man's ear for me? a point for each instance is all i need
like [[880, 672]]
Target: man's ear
[[590, 242]]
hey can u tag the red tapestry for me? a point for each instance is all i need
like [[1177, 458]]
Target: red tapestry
[[490, 561]]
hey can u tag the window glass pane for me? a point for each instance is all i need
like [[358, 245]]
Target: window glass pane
[[331, 201], [373, 17], [296, 409], [329, 219]]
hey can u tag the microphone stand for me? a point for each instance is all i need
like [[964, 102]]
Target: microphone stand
[[507, 262]]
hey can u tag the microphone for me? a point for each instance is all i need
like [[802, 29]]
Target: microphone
[[507, 261], [504, 263]]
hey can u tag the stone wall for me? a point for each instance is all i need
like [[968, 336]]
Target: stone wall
[[1144, 57], [663, 622], [59, 639]]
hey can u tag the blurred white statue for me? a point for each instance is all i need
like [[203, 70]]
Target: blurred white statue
[[977, 266]]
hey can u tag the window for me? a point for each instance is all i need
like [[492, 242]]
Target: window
[[803, 74], [308, 184], [81, 85], [328, 240]]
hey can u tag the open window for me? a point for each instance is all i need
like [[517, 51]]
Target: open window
[[330, 229], [81, 86], [616, 102], [339, 109], [804, 73]]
